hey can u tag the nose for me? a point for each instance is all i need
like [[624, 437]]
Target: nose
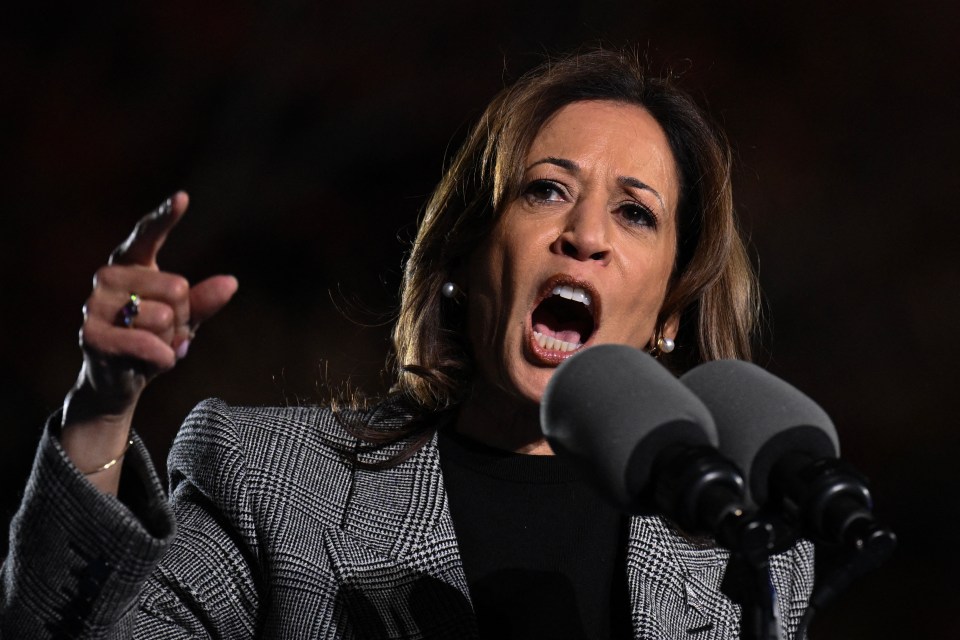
[[585, 234]]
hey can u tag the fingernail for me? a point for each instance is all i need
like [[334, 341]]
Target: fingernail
[[182, 349], [165, 207]]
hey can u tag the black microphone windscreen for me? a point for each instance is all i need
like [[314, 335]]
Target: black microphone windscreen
[[760, 418], [613, 409]]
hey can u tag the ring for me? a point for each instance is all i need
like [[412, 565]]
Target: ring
[[130, 310]]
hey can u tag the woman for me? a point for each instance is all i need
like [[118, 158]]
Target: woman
[[590, 205]]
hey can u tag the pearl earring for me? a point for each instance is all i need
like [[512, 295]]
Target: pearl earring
[[450, 290], [665, 344]]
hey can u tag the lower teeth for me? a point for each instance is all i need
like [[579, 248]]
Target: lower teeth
[[549, 342]]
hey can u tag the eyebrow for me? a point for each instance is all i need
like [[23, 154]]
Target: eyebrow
[[625, 181]]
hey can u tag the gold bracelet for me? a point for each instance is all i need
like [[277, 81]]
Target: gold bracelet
[[111, 463]]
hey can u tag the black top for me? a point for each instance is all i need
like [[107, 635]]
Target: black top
[[542, 552]]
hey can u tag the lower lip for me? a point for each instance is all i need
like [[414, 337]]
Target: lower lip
[[547, 356]]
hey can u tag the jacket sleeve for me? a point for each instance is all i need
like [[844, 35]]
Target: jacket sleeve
[[78, 558], [83, 564]]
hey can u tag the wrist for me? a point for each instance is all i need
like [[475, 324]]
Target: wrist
[[96, 443], [84, 404]]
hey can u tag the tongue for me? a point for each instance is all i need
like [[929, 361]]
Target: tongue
[[567, 335], [549, 325]]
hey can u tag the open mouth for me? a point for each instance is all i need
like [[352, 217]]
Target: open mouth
[[564, 319]]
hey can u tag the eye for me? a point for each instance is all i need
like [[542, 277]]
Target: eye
[[637, 214], [544, 191]]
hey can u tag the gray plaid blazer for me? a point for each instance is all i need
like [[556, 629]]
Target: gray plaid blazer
[[269, 532]]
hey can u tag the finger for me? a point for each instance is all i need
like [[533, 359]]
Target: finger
[[155, 317], [146, 239], [108, 340], [209, 296], [206, 299], [114, 284]]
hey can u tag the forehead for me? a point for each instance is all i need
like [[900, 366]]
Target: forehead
[[608, 136]]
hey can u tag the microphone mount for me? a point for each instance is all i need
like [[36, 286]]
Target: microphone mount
[[704, 492]]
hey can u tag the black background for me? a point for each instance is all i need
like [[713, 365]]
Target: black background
[[308, 135]]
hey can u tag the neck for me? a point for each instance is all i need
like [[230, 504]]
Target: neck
[[493, 417]]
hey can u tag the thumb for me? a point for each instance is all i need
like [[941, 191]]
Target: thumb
[[209, 296]]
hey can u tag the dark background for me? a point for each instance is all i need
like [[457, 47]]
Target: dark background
[[308, 135]]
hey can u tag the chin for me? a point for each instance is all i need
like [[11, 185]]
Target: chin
[[528, 384]]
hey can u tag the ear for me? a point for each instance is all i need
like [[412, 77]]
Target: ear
[[671, 326], [458, 273], [454, 286]]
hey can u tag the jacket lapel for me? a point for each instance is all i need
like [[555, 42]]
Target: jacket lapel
[[676, 583], [398, 565], [396, 556]]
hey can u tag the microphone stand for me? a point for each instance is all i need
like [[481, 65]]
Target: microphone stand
[[703, 491], [747, 579], [828, 502], [831, 503]]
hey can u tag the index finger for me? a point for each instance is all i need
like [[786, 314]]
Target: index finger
[[144, 242]]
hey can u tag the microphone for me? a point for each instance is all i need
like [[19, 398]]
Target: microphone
[[788, 447], [647, 443]]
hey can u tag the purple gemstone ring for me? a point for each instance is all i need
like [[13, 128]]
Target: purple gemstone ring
[[130, 311]]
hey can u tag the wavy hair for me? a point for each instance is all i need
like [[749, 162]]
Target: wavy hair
[[712, 288]]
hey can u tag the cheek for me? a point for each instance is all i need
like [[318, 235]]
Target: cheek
[[642, 319], [646, 304], [496, 272], [499, 274], [485, 295]]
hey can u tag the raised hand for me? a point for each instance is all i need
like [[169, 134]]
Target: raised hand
[[138, 322]]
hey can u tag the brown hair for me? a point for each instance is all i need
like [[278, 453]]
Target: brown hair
[[712, 289]]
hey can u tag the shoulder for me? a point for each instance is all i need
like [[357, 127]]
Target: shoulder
[[275, 472], [265, 447], [213, 421], [274, 437]]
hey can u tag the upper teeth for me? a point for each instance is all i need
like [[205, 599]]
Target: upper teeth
[[572, 293]]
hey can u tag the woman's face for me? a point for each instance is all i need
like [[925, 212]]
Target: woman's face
[[583, 255]]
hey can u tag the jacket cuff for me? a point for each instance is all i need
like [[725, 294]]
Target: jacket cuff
[[78, 558]]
